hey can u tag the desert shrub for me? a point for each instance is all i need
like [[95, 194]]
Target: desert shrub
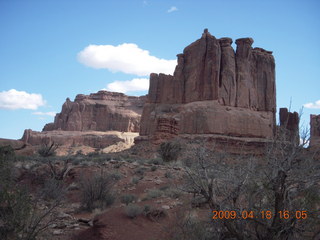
[[135, 180], [156, 161], [128, 198], [117, 165], [57, 171], [97, 192], [140, 171], [48, 150], [154, 193], [156, 214], [20, 217], [133, 210], [116, 175], [187, 162], [93, 154], [170, 150], [168, 174], [284, 178], [146, 209], [173, 192], [53, 189], [190, 228], [164, 187]]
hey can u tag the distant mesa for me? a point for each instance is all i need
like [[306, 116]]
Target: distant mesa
[[99, 120], [101, 111]]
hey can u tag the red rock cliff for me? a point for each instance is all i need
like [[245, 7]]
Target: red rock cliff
[[214, 90]]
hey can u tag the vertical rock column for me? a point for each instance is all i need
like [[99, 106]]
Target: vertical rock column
[[227, 80], [246, 89], [202, 69], [314, 130], [263, 67], [289, 122]]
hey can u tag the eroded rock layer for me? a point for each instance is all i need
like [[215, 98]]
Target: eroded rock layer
[[214, 90], [101, 111]]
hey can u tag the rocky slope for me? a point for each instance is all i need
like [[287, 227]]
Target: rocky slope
[[214, 90]]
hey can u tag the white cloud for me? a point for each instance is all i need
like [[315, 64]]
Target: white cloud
[[127, 58], [315, 105], [136, 84], [14, 99], [172, 9], [51, 114]]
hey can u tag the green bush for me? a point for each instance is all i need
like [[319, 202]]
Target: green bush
[[128, 198], [133, 210], [170, 150]]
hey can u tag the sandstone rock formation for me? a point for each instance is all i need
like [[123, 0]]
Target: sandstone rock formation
[[102, 111], [289, 122], [314, 130], [214, 90]]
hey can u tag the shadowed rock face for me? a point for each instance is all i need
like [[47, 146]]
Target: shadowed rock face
[[214, 90], [314, 130], [102, 111]]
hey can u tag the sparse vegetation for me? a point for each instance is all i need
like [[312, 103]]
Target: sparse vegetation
[[48, 149], [168, 174], [97, 192], [135, 180], [133, 210], [173, 192], [140, 172], [116, 175], [154, 193], [170, 150], [156, 161], [128, 198], [53, 189], [20, 216], [188, 227], [285, 179]]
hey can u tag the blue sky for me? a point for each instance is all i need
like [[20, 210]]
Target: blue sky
[[51, 50]]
